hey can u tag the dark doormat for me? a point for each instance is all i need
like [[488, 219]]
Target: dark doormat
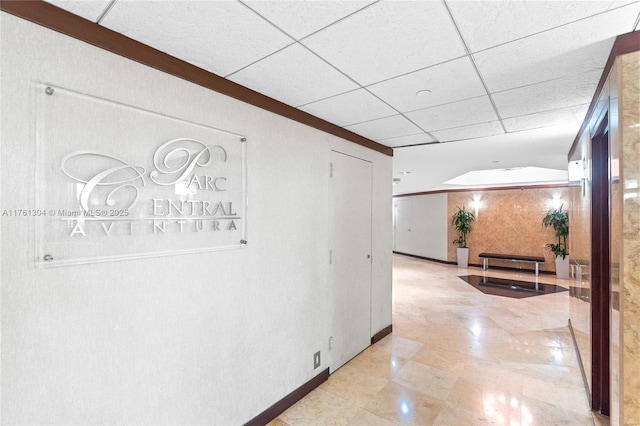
[[510, 288]]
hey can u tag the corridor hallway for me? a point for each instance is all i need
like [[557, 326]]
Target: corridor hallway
[[457, 357]]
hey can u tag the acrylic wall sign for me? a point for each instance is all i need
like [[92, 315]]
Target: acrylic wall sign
[[114, 181]]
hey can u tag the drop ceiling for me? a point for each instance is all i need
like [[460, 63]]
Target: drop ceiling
[[453, 86]]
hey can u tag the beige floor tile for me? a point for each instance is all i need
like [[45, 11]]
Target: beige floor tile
[[410, 330], [517, 352], [366, 418], [379, 362], [457, 357], [278, 422], [354, 385], [542, 413], [398, 346], [426, 379], [402, 405], [468, 396], [493, 376], [320, 407], [560, 393], [446, 360], [451, 415], [445, 317], [554, 337]]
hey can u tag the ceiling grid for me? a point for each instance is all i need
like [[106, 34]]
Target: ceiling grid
[[405, 74], [475, 66]]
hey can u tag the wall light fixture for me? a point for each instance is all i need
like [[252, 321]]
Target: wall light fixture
[[476, 203]]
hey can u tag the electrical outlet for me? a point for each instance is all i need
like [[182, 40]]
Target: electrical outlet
[[316, 360]]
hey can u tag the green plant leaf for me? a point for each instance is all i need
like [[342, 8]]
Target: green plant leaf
[[461, 221], [558, 219]]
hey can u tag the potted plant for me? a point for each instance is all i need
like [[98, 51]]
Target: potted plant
[[558, 219], [461, 221]]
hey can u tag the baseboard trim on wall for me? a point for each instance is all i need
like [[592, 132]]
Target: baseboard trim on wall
[[478, 265], [579, 357], [281, 406], [425, 258], [381, 334]]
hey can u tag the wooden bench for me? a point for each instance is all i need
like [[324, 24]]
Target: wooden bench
[[512, 257]]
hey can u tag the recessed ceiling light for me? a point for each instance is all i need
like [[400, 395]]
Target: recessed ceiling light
[[423, 92]]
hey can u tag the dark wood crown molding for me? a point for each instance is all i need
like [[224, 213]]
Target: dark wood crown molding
[[54, 18]]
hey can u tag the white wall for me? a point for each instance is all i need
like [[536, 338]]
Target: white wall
[[421, 225], [212, 338]]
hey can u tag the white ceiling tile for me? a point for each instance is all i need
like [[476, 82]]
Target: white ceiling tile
[[219, 36], [456, 114], [469, 132], [484, 24], [550, 95], [569, 116], [561, 52], [535, 64], [90, 10], [294, 76], [317, 14], [451, 81], [388, 39], [350, 108], [419, 139], [385, 128]]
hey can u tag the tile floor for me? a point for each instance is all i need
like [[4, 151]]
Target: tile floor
[[457, 357]]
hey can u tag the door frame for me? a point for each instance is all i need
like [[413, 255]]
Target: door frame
[[600, 267], [335, 364]]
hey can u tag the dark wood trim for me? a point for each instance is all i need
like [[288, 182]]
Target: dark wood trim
[[54, 18], [381, 334], [425, 258], [281, 406], [491, 188], [625, 43], [600, 268], [584, 375]]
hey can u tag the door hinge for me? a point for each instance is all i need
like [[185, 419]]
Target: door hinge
[[330, 257], [330, 169], [330, 342]]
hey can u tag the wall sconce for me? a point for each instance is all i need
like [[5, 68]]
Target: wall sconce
[[476, 203], [556, 202], [578, 171]]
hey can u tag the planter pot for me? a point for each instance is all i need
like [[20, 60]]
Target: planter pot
[[562, 267], [463, 257]]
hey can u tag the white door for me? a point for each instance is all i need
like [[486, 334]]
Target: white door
[[350, 257]]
